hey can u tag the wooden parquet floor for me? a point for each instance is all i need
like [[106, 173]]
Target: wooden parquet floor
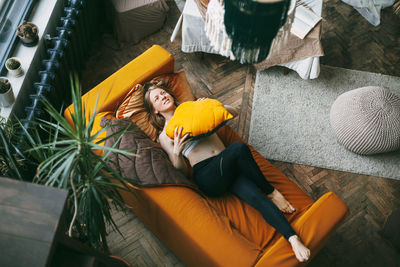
[[349, 41]]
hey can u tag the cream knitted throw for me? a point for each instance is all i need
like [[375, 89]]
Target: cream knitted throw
[[215, 29]]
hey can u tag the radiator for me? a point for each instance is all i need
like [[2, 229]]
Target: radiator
[[66, 48]]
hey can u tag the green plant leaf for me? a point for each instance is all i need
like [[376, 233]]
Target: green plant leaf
[[60, 165], [32, 142], [89, 125], [11, 162]]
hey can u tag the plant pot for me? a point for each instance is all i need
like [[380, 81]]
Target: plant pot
[[7, 98], [30, 39], [16, 72]]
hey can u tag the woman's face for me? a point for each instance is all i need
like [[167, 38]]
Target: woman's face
[[161, 100]]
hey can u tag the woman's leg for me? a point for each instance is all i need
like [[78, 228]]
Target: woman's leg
[[238, 155], [248, 191], [220, 174], [215, 175], [210, 179]]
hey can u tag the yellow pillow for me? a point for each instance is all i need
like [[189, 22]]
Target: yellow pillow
[[198, 118]]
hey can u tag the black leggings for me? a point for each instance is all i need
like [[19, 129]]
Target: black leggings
[[235, 170]]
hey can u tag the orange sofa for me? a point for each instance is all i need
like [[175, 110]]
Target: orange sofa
[[215, 232]]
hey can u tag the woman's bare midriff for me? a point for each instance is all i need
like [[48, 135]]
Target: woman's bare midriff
[[206, 148]]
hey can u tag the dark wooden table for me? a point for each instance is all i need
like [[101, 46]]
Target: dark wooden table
[[29, 221], [32, 230]]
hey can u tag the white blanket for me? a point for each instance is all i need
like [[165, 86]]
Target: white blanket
[[370, 9]]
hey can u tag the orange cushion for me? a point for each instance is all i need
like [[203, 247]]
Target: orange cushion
[[198, 118], [132, 106]]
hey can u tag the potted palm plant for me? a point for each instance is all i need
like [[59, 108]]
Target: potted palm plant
[[28, 33], [67, 157], [13, 65], [6, 92]]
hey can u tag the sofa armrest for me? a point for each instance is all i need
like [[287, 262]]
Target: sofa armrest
[[314, 227], [109, 93]]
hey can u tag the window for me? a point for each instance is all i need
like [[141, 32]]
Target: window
[[12, 13]]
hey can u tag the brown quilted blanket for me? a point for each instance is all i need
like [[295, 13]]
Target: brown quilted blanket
[[151, 165]]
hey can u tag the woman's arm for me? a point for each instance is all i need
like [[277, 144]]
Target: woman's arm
[[174, 149]]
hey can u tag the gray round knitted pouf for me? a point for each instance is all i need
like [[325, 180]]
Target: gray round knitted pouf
[[367, 120]]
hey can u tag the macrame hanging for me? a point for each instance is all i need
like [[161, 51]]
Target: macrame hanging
[[252, 26], [215, 29]]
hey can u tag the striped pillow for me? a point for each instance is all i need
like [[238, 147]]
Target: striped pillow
[[132, 108]]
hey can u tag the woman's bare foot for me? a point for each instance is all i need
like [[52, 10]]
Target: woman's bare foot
[[302, 252], [280, 201]]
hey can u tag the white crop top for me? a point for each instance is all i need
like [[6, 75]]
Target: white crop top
[[189, 146]]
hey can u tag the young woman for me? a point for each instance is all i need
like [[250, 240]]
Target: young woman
[[218, 169]]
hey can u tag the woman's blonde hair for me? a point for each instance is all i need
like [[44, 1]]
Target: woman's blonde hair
[[157, 120]]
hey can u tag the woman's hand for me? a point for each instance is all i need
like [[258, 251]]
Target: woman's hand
[[179, 141]]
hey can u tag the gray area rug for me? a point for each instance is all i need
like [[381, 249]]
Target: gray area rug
[[290, 120]]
